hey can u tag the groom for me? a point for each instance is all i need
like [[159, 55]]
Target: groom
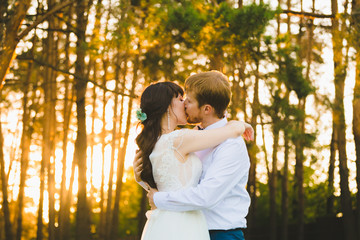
[[221, 193]]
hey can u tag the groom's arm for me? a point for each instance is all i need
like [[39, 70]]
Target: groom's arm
[[229, 167]]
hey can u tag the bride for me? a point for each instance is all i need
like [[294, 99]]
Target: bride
[[169, 163]]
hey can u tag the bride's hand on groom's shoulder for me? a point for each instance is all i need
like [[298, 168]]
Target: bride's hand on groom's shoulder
[[249, 132], [150, 195], [245, 129]]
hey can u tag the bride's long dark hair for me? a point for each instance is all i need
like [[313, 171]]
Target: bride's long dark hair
[[155, 100]]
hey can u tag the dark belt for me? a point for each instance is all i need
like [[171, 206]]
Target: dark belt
[[229, 230]]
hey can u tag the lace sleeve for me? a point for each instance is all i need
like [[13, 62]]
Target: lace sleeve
[[171, 172], [177, 141], [185, 169]]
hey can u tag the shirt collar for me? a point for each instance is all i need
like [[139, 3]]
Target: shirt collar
[[218, 124]]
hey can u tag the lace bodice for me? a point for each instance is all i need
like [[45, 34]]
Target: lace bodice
[[170, 174]]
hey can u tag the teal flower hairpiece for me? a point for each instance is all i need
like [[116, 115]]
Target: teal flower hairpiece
[[140, 115]]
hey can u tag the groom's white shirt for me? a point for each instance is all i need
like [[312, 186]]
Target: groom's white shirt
[[221, 193]]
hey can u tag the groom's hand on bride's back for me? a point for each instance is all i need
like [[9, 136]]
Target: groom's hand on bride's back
[[137, 165], [151, 191]]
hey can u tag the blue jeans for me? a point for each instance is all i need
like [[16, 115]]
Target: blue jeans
[[236, 234]]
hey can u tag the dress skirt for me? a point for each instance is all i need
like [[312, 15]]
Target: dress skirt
[[170, 225]]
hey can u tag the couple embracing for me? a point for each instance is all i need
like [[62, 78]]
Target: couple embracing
[[196, 180]]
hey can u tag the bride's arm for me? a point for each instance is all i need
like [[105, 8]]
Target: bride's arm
[[194, 140]]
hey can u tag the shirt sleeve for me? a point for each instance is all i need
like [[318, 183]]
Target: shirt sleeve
[[230, 165]]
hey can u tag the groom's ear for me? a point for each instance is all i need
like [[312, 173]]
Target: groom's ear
[[208, 109]]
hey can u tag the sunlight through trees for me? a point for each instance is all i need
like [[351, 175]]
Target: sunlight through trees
[[71, 73]]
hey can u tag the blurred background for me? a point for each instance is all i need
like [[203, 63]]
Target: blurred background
[[71, 73]]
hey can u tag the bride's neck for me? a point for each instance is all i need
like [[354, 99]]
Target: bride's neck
[[166, 131], [167, 127]]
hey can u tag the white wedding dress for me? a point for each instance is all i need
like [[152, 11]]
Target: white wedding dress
[[171, 175]]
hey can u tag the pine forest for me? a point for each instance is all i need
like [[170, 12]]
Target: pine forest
[[72, 71]]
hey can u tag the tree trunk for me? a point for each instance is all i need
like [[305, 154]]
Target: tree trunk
[[39, 232], [285, 178], [5, 204], [65, 195], [340, 66], [82, 214], [103, 212], [68, 96], [251, 186], [68, 203], [108, 216], [111, 174], [284, 189], [10, 38], [92, 137], [238, 97], [113, 227], [120, 135], [92, 142], [299, 143], [356, 105], [216, 62], [122, 151], [50, 119], [345, 197], [356, 132], [93, 65], [285, 174], [47, 141], [64, 218], [299, 172], [268, 173], [273, 184], [102, 226], [331, 175], [25, 145], [141, 214]]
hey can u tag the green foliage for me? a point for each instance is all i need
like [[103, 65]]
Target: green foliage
[[249, 22], [122, 35], [354, 35], [151, 63], [177, 38], [315, 196], [262, 204], [294, 79], [129, 206], [215, 35], [290, 71], [185, 23], [211, 30]]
